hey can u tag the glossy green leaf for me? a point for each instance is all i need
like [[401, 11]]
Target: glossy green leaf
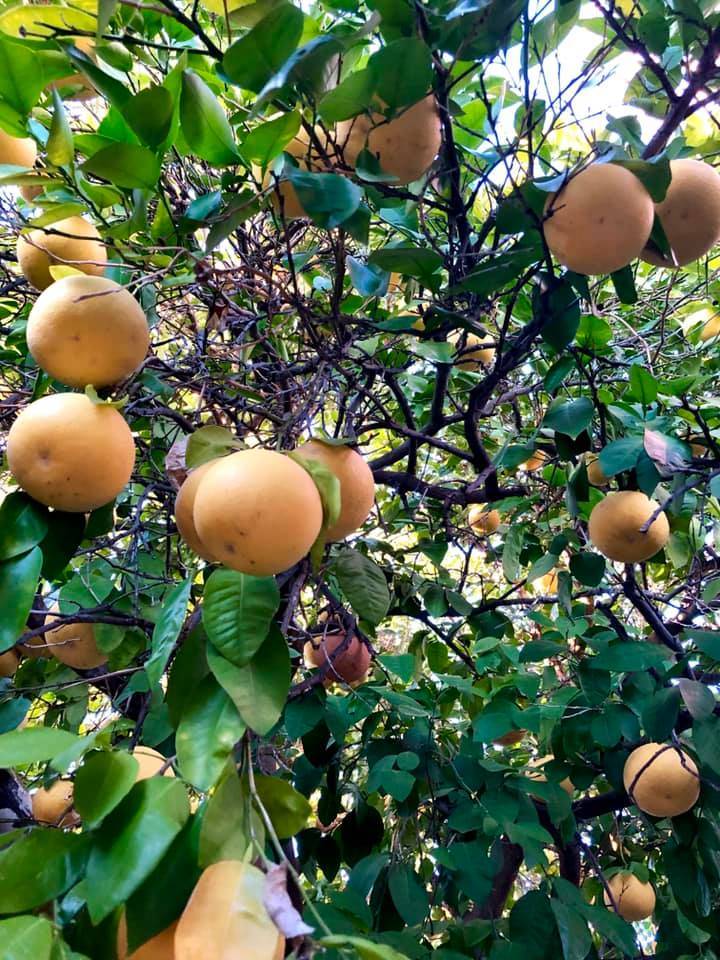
[[408, 893], [253, 59], [125, 165], [103, 780], [59, 147], [207, 443], [269, 139], [23, 524], [26, 938], [38, 867], [229, 822], [167, 630], [327, 198], [402, 72], [288, 809], [18, 583], [237, 612], [209, 728], [643, 386], [364, 585], [34, 745], [570, 417], [150, 114], [65, 532], [20, 79], [204, 124]]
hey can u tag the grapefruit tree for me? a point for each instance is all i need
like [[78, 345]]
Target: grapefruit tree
[[358, 566]]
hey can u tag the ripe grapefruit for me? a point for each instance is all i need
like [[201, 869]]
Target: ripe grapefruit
[[18, 151], [351, 665], [151, 763], [690, 213], [470, 358], [184, 504], [600, 220], [535, 461], [662, 780], [634, 899], [9, 662], [357, 485], [159, 947], [54, 805], [87, 329], [74, 644], [615, 525], [482, 520], [257, 511], [70, 453], [73, 242], [595, 474]]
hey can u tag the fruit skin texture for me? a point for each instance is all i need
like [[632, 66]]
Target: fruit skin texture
[[668, 784], [405, 147], [18, 151], [258, 512], [150, 762], [351, 665], [634, 899], [470, 358], [600, 220], [74, 644], [595, 474], [225, 917], [9, 662], [54, 805], [159, 947], [482, 520], [85, 329], [184, 504], [615, 522], [70, 453], [357, 485], [690, 213], [711, 328], [41, 250]]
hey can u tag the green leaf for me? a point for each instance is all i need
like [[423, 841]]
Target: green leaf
[[559, 308], [575, 936], [363, 584], [106, 10], [258, 690], [588, 568], [402, 72], [64, 535], [627, 657], [204, 124], [327, 198], [653, 29], [38, 867], [350, 97], [654, 175], [253, 59], [706, 640], [18, 584], [59, 148], [34, 745], [643, 385], [131, 842], [620, 455], [500, 271], [368, 281], [208, 443], [408, 893], [104, 779], [229, 822], [238, 610], [23, 524], [289, 810], [366, 949], [26, 938], [125, 165], [698, 698], [115, 91], [410, 261], [624, 283], [328, 486], [167, 630], [209, 728], [514, 543], [150, 114], [268, 140], [570, 417], [20, 79]]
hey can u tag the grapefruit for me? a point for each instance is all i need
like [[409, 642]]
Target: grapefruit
[[184, 504], [18, 151], [159, 947], [284, 196], [470, 356], [405, 147], [54, 805], [87, 329], [535, 461], [9, 662], [689, 214], [634, 899], [595, 474], [615, 525], [351, 665], [73, 242], [150, 763], [226, 918], [74, 645], [600, 220], [662, 780], [70, 453], [357, 484], [482, 520], [257, 511]]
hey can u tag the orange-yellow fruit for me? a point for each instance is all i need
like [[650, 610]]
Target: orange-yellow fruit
[[600, 220], [159, 947], [405, 147], [595, 473], [536, 461], [711, 326], [150, 763], [17, 151], [690, 213], [258, 512], [357, 485], [9, 662], [284, 196], [634, 899], [615, 525], [74, 644], [184, 504], [471, 358], [351, 665], [72, 242], [55, 805], [70, 453], [662, 780], [510, 738], [35, 648], [482, 520], [226, 918], [85, 329], [548, 583], [536, 774]]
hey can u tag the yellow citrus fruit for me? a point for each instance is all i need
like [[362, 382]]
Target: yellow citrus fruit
[[74, 645], [55, 805], [405, 146], [634, 899], [70, 453], [357, 485], [18, 151], [9, 662], [351, 665], [547, 583], [225, 917], [159, 947], [615, 525], [690, 213], [150, 763], [470, 357], [72, 242], [184, 504], [600, 220], [662, 780], [85, 329], [595, 474], [482, 520], [257, 511], [535, 461], [711, 326], [536, 774]]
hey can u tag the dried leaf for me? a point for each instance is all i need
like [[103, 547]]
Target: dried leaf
[[175, 467], [279, 906]]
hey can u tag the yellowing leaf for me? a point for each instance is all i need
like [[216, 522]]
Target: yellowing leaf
[[58, 271]]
